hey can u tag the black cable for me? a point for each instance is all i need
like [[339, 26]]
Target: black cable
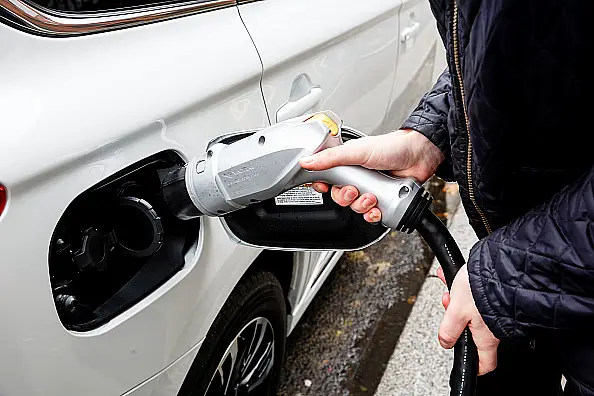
[[439, 239]]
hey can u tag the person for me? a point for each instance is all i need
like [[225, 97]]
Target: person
[[508, 120]]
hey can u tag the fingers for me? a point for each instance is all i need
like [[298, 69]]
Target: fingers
[[445, 300], [373, 216], [364, 203], [441, 275], [349, 196], [487, 360], [451, 327], [353, 154], [344, 196], [320, 187], [460, 312], [486, 344]]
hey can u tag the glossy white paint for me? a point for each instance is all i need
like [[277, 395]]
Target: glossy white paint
[[77, 110], [416, 55], [168, 381], [347, 49]]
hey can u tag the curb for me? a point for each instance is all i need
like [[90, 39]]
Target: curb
[[419, 366]]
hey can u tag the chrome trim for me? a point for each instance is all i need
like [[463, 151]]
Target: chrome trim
[[71, 24]]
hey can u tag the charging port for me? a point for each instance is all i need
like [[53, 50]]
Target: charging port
[[116, 243]]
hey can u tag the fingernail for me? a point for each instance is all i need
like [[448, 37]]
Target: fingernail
[[308, 160], [374, 216], [350, 195], [367, 203]]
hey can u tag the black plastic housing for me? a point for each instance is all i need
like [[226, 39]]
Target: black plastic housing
[[304, 227], [315, 227], [116, 243], [175, 195]]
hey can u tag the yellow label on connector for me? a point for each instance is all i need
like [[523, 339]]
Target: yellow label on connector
[[326, 121]]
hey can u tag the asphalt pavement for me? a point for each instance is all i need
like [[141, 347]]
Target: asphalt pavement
[[344, 341]]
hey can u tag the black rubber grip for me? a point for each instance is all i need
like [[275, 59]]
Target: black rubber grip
[[415, 211], [447, 252]]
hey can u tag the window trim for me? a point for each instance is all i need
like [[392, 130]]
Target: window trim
[[66, 24]]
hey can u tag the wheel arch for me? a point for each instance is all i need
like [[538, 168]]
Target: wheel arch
[[281, 265]]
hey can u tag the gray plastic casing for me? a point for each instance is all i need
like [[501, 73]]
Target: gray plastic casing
[[264, 165]]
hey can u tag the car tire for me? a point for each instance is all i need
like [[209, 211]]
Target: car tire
[[231, 361]]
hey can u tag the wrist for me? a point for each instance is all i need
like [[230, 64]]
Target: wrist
[[427, 156]]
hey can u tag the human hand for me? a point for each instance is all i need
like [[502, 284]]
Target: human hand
[[405, 153], [460, 312]]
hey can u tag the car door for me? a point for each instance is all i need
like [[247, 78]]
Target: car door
[[88, 91], [416, 59], [324, 54]]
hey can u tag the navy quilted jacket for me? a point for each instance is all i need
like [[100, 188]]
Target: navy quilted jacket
[[511, 114]]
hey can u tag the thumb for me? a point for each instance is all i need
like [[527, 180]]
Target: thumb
[[451, 327], [346, 154]]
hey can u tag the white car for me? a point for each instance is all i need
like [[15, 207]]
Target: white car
[[102, 291]]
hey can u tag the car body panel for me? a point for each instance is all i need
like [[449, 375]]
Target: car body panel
[[76, 110], [168, 381], [416, 59], [349, 51]]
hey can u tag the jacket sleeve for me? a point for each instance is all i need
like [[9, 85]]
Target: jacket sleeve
[[537, 273], [431, 115], [430, 118]]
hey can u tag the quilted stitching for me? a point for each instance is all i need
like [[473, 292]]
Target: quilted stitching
[[544, 262], [528, 85]]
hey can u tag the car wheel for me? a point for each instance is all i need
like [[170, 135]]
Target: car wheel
[[243, 351]]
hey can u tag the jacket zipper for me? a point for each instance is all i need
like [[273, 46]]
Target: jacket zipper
[[467, 127]]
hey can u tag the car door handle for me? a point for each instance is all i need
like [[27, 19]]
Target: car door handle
[[299, 106], [410, 32]]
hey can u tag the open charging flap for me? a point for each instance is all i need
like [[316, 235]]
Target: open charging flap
[[301, 219]]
